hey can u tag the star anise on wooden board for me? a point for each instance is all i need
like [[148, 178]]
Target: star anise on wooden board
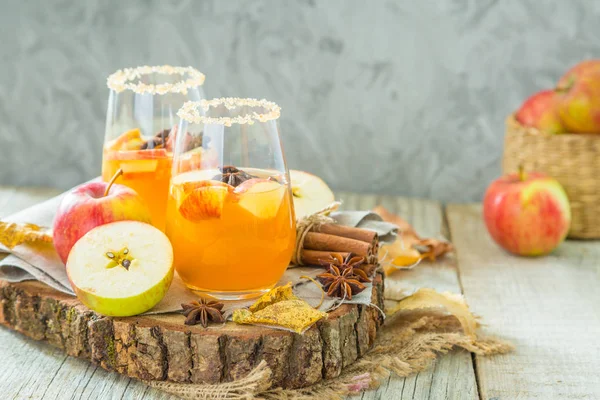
[[351, 262], [342, 284], [202, 312], [232, 176]]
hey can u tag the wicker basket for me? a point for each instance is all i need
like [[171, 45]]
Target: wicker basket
[[572, 159]]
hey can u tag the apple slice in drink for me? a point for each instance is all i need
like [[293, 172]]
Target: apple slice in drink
[[122, 268], [135, 167], [202, 200], [138, 162], [129, 140], [262, 197]]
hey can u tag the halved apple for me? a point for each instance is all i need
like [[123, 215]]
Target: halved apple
[[262, 197], [310, 193], [122, 268], [202, 200]]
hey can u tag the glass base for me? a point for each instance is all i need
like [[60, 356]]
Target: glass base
[[233, 295]]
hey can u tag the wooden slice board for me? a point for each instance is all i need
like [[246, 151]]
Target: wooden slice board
[[163, 348]]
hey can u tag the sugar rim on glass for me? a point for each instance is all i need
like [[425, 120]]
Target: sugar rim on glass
[[123, 79], [189, 111]]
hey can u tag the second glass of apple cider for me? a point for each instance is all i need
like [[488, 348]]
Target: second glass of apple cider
[[230, 216], [141, 124]]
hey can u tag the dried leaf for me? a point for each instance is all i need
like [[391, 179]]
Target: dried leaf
[[401, 257], [409, 248], [280, 308], [452, 303], [13, 234], [273, 296]]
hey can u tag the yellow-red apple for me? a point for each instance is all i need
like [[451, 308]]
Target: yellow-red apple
[[87, 207], [578, 98], [527, 214], [539, 111]]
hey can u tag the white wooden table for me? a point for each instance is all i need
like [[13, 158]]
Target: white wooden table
[[548, 307]]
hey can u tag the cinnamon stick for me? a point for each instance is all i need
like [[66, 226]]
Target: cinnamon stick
[[324, 242], [364, 235], [316, 257]]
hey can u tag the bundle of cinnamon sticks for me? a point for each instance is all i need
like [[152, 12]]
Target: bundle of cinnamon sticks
[[326, 239]]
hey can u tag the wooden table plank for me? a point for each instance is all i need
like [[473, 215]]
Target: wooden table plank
[[451, 376], [548, 306]]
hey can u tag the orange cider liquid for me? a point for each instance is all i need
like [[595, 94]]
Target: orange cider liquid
[[148, 172], [231, 241]]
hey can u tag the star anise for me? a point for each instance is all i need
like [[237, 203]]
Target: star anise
[[194, 141], [202, 312], [351, 262], [232, 176], [159, 141], [164, 140], [341, 284]]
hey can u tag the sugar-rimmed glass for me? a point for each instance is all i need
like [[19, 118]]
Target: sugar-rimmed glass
[[140, 128], [230, 215]]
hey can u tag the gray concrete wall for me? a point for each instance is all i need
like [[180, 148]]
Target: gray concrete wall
[[398, 97]]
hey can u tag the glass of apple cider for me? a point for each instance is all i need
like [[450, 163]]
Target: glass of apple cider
[[230, 215], [141, 124]]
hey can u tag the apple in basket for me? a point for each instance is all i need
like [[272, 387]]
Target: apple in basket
[[91, 205], [527, 213], [121, 269], [578, 95], [539, 111]]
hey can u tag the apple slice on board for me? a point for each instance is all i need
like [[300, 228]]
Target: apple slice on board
[[262, 197], [121, 269], [310, 192]]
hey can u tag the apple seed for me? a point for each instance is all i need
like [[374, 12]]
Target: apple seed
[[121, 258]]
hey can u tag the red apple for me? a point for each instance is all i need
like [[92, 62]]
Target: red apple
[[527, 214], [87, 207], [539, 111], [578, 98]]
